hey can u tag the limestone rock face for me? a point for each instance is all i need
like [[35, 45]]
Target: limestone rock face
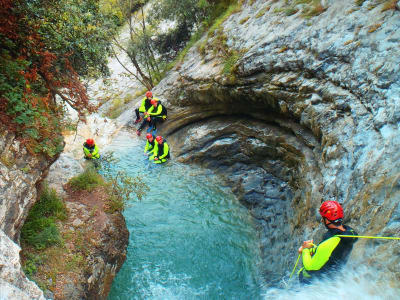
[[13, 283], [19, 173], [309, 112]]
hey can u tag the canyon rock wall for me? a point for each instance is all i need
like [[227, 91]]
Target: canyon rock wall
[[294, 111], [19, 173]]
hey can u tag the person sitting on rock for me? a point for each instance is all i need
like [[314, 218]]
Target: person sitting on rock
[[144, 106], [149, 148], [161, 151], [157, 113], [333, 251], [90, 150]]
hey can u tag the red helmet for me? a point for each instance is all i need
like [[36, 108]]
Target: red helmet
[[148, 136], [149, 94], [159, 138], [153, 101], [331, 210], [90, 142]]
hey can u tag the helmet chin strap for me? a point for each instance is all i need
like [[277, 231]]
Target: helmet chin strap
[[329, 223]]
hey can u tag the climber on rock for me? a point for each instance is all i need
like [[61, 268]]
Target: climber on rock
[[332, 253], [144, 106], [90, 150], [161, 151], [156, 113], [150, 143]]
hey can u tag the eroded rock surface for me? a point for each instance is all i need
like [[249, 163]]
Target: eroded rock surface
[[13, 282], [310, 112]]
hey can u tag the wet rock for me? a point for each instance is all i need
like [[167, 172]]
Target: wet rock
[[310, 114]]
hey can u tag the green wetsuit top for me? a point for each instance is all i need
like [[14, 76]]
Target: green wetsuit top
[[330, 255], [149, 146], [161, 151], [94, 150], [146, 105], [156, 111]]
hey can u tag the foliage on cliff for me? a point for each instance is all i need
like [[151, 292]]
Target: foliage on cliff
[[151, 51], [46, 47]]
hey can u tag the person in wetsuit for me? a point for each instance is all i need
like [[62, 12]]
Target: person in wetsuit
[[333, 252], [144, 106], [161, 151], [90, 150], [149, 148], [157, 113]]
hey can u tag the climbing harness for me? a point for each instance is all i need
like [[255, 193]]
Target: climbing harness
[[350, 236]]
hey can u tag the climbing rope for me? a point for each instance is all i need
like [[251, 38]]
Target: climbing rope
[[370, 237], [350, 236], [295, 266]]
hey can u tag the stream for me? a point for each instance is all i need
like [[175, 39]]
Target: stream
[[189, 236]]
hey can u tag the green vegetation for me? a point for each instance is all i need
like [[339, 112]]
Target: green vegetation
[[120, 186], [360, 2], [263, 11], [230, 62], [40, 230], [117, 107], [52, 249], [244, 20], [46, 47], [153, 53], [311, 8], [387, 4], [88, 180]]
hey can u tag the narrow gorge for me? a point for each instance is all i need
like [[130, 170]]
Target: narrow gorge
[[288, 107]]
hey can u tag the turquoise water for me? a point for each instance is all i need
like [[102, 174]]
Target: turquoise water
[[189, 236]]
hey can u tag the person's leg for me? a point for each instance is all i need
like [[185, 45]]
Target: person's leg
[[138, 117]]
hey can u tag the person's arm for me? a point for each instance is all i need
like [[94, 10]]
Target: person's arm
[[158, 112], [142, 107], [95, 152], [166, 150], [86, 152], [155, 150], [321, 256], [148, 148]]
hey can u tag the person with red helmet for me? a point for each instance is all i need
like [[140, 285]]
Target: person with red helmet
[[157, 113], [149, 148], [333, 251], [144, 106], [151, 117], [161, 151], [90, 150]]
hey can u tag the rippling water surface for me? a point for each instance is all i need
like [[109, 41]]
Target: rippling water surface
[[189, 236]]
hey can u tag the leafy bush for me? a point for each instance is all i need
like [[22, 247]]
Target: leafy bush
[[88, 180], [46, 47], [30, 264], [120, 185], [40, 230]]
